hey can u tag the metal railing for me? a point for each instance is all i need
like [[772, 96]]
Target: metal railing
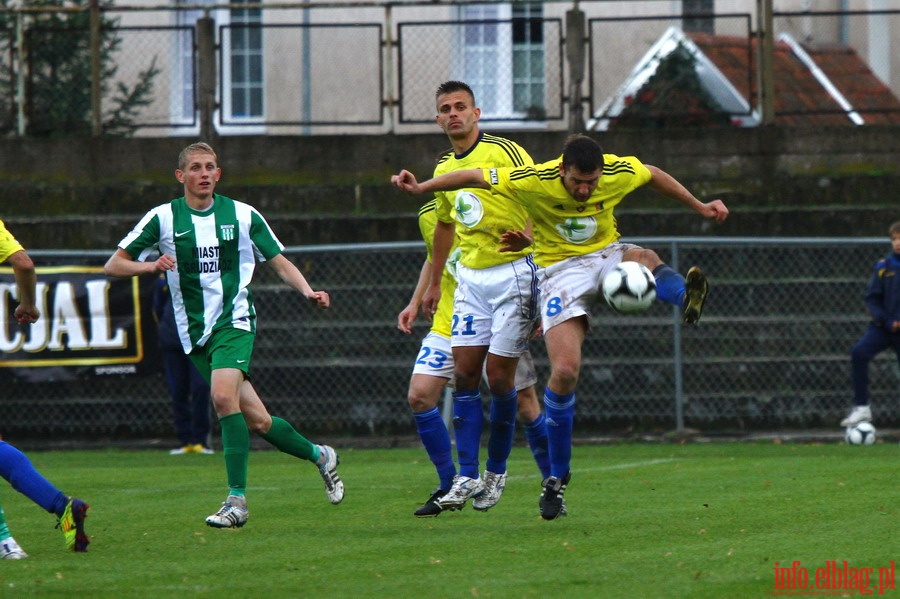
[[371, 67]]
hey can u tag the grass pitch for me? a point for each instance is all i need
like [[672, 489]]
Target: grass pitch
[[645, 520]]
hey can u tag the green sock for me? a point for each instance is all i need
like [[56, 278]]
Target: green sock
[[284, 437], [4, 529], [236, 448]]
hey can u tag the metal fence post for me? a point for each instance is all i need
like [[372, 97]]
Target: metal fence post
[[21, 57], [678, 358], [389, 51], [765, 49], [96, 70], [306, 73], [575, 35], [206, 84]]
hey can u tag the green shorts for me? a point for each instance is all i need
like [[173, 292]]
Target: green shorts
[[226, 348]]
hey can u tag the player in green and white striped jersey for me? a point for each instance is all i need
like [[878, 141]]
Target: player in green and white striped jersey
[[208, 247]]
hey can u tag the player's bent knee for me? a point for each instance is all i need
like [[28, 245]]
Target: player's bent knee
[[528, 412], [418, 403], [565, 376], [424, 392], [648, 258], [259, 427]]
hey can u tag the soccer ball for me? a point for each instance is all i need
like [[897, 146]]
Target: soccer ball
[[629, 288], [860, 434]]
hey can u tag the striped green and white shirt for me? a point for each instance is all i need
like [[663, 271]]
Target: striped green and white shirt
[[215, 251]]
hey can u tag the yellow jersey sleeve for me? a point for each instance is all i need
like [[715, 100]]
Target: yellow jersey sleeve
[[564, 227], [481, 216], [8, 243]]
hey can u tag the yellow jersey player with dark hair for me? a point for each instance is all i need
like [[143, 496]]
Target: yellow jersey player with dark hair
[[576, 242]]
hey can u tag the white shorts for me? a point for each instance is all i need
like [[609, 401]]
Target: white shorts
[[495, 307], [570, 288], [526, 376], [436, 359]]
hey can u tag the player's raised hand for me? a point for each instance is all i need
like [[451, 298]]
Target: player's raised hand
[[406, 318], [27, 314], [430, 301], [514, 241], [405, 181], [164, 263], [320, 298], [715, 210]]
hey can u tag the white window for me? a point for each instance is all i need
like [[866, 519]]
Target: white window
[[504, 65], [242, 102], [243, 65], [529, 81], [183, 89]]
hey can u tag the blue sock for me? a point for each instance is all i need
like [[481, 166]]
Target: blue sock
[[436, 439], [536, 433], [502, 427], [669, 285], [18, 470], [468, 419], [560, 413]]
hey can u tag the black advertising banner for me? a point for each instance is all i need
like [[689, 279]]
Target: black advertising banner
[[90, 325]]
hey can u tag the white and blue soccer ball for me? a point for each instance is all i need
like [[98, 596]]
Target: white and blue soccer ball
[[629, 287], [862, 433]]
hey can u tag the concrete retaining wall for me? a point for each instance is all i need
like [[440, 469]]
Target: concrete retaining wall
[[86, 193]]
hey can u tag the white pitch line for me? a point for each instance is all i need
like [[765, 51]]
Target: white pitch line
[[632, 464], [615, 466]]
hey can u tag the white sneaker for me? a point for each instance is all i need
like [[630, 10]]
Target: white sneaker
[[334, 487], [857, 415], [463, 489], [9, 549], [233, 514], [493, 488]]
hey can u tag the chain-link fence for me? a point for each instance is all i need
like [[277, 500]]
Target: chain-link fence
[[772, 349]]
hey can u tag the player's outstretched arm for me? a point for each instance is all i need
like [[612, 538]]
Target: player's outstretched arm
[[291, 275], [667, 185], [451, 181]]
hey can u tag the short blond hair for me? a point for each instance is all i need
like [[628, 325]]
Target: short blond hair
[[894, 229], [199, 147]]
